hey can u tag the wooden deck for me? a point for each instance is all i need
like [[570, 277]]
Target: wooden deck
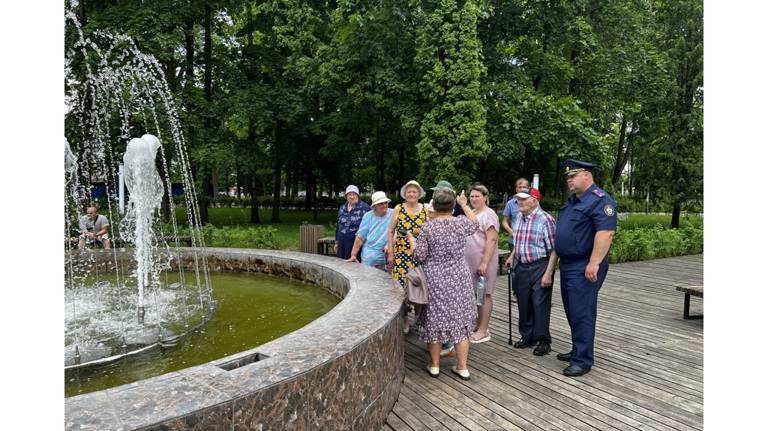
[[647, 375]]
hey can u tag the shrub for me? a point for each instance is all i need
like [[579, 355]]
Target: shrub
[[642, 243], [241, 237]]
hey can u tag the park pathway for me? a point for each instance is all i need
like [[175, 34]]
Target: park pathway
[[648, 370]]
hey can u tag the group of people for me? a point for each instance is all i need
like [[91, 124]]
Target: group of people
[[456, 247]]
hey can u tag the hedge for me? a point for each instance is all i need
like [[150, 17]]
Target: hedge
[[655, 242]]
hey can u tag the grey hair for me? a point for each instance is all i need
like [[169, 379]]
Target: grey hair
[[443, 200]]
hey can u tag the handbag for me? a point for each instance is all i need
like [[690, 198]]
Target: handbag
[[416, 286]]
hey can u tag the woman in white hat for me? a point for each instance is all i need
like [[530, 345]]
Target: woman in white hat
[[409, 216], [372, 234], [348, 221]]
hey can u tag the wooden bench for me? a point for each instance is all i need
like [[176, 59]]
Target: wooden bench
[[690, 290], [325, 245]]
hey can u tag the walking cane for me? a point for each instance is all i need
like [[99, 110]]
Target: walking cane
[[509, 302]]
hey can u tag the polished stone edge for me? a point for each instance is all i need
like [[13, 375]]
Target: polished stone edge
[[339, 371]]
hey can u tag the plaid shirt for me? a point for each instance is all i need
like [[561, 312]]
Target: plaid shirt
[[533, 237]]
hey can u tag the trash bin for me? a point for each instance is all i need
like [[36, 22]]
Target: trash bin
[[309, 234]]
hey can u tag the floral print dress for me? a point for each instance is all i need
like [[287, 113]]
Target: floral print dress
[[450, 315], [403, 255]]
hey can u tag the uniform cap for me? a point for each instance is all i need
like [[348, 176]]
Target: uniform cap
[[575, 166]]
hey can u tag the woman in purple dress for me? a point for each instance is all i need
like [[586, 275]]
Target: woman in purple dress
[[450, 315]]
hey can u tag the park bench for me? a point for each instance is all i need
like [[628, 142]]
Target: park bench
[[325, 245], [688, 291]]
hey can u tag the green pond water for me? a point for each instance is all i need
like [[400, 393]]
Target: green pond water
[[252, 309]]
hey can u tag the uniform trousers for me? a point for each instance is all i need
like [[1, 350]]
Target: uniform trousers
[[580, 304]]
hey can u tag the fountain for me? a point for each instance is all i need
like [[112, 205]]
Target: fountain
[[112, 91], [343, 370]]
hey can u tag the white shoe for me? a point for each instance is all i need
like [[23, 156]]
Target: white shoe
[[476, 338], [463, 374], [433, 371]]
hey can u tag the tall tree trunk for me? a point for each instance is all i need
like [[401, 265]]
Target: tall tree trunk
[[189, 47], [165, 206], [254, 185], [83, 17], [208, 92], [278, 174], [676, 215], [621, 155]]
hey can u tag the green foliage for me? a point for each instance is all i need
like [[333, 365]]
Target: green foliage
[[240, 237], [449, 54], [642, 243], [316, 95]]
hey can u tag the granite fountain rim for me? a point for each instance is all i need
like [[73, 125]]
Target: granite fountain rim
[[372, 301]]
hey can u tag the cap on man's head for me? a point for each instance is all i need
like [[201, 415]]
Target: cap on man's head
[[576, 166], [351, 189], [532, 192], [443, 185]]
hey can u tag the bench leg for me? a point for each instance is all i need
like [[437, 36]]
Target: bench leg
[[687, 308]]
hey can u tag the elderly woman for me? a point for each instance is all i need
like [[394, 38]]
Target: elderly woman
[[483, 257], [372, 234], [348, 221], [450, 315], [407, 217]]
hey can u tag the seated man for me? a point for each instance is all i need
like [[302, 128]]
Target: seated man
[[372, 234], [93, 227]]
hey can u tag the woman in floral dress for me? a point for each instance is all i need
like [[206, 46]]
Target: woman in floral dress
[[409, 216], [450, 315]]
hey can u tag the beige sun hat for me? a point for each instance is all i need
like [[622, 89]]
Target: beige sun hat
[[379, 197], [412, 183]]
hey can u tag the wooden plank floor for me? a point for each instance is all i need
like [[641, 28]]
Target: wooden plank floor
[[647, 375]]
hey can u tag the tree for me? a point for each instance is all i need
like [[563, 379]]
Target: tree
[[448, 54]]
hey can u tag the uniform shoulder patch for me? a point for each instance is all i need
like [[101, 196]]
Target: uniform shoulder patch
[[599, 193], [608, 210]]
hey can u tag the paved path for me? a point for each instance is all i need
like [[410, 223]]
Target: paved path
[[648, 365]]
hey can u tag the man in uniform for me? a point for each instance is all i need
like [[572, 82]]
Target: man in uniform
[[585, 228]]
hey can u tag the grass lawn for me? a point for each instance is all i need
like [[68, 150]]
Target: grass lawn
[[287, 230]]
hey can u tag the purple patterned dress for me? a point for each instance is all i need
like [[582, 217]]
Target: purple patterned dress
[[450, 315]]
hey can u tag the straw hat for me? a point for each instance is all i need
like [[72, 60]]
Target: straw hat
[[412, 183]]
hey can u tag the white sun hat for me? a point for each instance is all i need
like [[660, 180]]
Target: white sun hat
[[379, 197]]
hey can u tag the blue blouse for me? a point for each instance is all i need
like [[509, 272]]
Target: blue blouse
[[348, 222]]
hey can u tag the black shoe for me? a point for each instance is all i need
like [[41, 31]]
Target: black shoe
[[521, 344], [542, 349], [566, 357], [575, 370]]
